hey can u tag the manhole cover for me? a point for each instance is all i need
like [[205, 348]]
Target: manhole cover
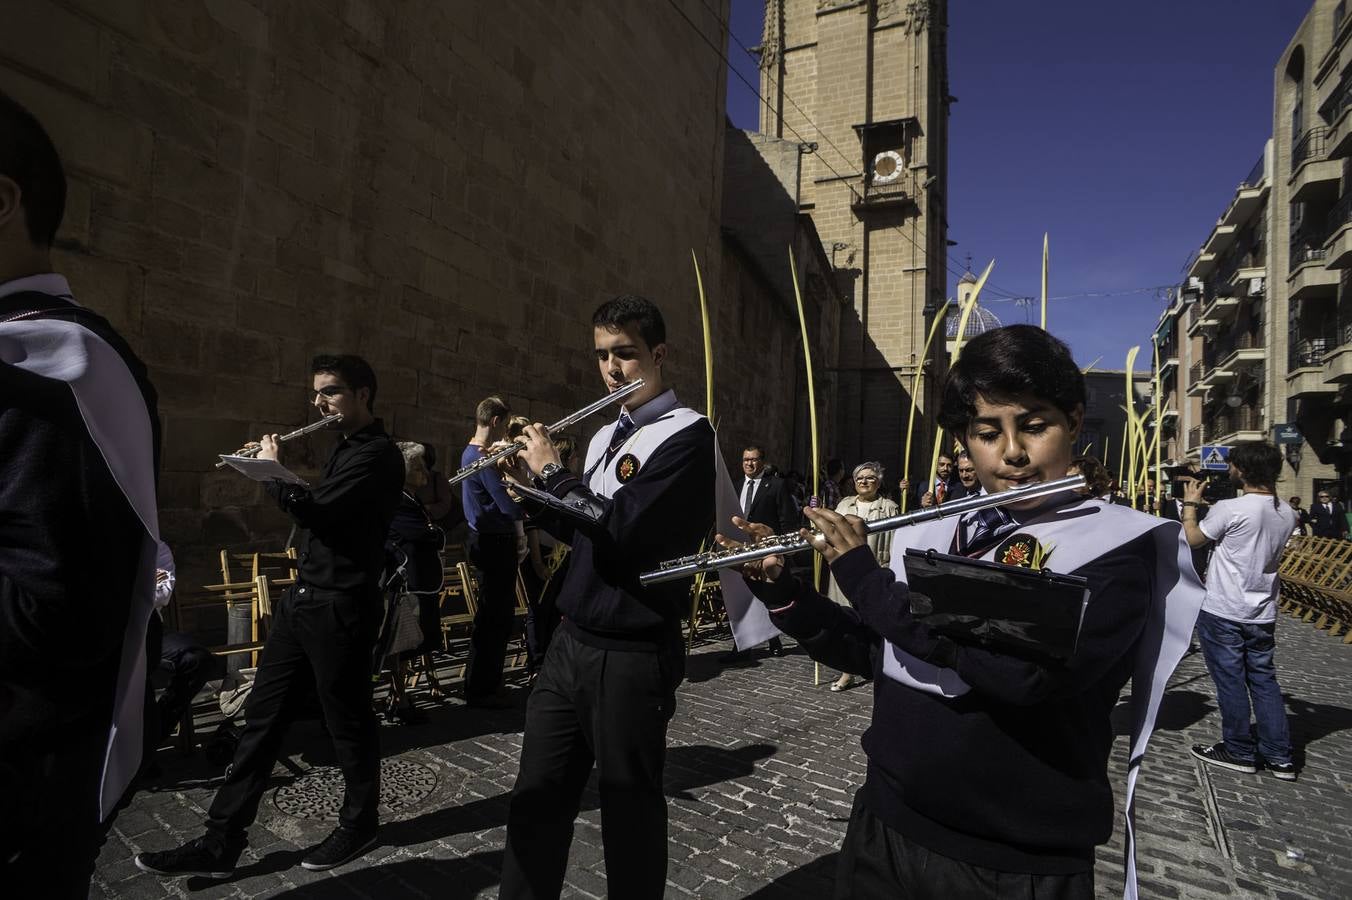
[[319, 793]]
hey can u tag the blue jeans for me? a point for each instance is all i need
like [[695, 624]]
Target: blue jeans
[[1239, 658]]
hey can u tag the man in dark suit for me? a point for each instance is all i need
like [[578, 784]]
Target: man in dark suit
[[967, 484], [1327, 517], [765, 498]]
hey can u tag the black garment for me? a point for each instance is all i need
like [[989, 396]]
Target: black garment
[[494, 555], [182, 668], [415, 543], [608, 684], [959, 490], [1328, 523], [610, 708], [325, 628], [772, 504], [347, 515], [877, 861], [69, 548], [331, 635], [1012, 775], [1302, 521], [664, 512]]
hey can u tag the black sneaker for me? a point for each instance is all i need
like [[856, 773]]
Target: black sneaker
[[1284, 771], [1217, 755], [197, 857], [342, 846]]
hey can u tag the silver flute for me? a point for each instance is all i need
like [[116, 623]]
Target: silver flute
[[291, 435], [784, 544], [512, 449]]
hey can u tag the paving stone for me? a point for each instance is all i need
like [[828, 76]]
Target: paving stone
[[761, 772]]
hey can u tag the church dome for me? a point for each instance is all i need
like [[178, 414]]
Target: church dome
[[980, 321]]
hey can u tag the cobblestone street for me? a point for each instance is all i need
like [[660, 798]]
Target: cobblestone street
[[760, 775]]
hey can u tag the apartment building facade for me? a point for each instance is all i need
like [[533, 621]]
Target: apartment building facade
[[1259, 335]]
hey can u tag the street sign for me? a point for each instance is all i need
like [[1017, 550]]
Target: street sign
[[1215, 458], [1286, 434]]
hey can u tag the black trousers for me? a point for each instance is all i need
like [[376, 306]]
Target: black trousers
[[50, 834], [172, 659], [876, 861], [494, 555], [331, 636], [604, 707]]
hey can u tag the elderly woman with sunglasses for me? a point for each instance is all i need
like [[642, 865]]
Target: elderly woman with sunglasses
[[867, 504]]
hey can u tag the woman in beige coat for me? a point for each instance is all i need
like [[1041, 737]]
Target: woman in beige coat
[[869, 505]]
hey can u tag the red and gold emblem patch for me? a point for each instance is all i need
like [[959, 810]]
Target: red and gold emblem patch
[[1024, 551], [626, 467]]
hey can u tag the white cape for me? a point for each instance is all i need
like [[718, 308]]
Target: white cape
[[114, 412]]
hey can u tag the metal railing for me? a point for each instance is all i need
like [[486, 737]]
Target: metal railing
[[1243, 418], [1195, 373], [1311, 145], [1255, 176], [902, 188], [1306, 249], [1246, 340], [1309, 352], [1341, 214]]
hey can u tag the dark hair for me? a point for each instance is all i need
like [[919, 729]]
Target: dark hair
[[834, 467], [28, 156], [614, 314], [1095, 474], [489, 409], [1260, 463], [1294, 501], [1006, 363], [757, 447], [355, 372]]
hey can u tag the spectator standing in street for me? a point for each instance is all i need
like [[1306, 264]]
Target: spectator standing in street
[[1237, 625], [967, 484], [1302, 517], [869, 505], [1328, 519]]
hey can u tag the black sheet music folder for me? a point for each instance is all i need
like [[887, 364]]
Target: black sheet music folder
[[1025, 612]]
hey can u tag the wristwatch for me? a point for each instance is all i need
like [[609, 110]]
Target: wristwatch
[[548, 472]]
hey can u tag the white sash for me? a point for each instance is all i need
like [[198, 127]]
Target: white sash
[[114, 412], [1077, 535], [750, 621]]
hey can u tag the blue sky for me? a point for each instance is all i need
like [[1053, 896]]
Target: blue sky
[[1120, 129]]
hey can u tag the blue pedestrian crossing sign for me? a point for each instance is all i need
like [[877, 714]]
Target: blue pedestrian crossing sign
[[1215, 458]]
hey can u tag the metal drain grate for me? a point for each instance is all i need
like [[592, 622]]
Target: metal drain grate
[[319, 793]]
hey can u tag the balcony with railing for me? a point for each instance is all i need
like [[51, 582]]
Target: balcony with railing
[[896, 189], [1338, 360], [1197, 318], [1242, 423], [1337, 110], [1338, 247], [1242, 351], [1308, 277], [1313, 174], [1249, 195], [1197, 379], [1306, 375]]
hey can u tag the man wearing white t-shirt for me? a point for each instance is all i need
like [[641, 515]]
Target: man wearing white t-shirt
[[1237, 625]]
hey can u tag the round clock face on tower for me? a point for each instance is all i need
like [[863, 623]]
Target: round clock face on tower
[[886, 167]]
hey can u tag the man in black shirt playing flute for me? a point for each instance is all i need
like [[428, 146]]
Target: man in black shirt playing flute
[[987, 770], [327, 623], [608, 685]]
